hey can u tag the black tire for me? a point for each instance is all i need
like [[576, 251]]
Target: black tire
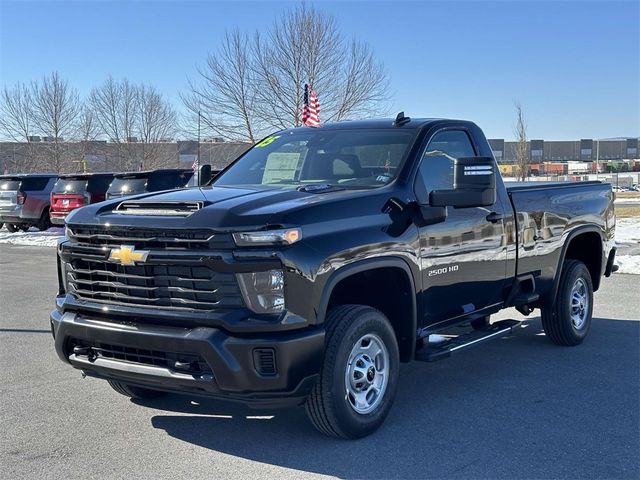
[[133, 391], [1, 224], [480, 323], [24, 227], [557, 320], [12, 228], [45, 222], [328, 406]]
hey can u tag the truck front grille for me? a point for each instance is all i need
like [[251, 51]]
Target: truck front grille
[[175, 287], [151, 238]]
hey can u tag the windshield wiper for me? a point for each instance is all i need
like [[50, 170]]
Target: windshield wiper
[[318, 188]]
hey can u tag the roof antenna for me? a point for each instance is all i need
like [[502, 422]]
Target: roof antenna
[[401, 120]]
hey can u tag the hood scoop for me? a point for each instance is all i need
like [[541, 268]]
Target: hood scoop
[[158, 209]]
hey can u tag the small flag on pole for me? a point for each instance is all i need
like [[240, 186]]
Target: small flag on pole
[[194, 166], [311, 109]]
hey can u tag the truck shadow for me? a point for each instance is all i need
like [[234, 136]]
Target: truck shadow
[[490, 412]]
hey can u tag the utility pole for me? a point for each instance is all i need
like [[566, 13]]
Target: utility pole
[[597, 157]]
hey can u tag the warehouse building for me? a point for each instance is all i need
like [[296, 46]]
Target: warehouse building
[[584, 150]]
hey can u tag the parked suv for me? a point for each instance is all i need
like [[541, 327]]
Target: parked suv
[[77, 190], [149, 181], [24, 200]]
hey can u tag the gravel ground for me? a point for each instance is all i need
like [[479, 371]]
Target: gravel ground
[[514, 408]]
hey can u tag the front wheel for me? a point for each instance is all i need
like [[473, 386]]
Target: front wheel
[[359, 377], [568, 320]]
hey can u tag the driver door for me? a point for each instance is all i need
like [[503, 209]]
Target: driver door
[[463, 259]]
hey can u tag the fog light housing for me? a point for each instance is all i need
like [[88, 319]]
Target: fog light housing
[[263, 292]]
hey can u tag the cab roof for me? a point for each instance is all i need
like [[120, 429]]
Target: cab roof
[[409, 123]]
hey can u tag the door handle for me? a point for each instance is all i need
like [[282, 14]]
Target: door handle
[[494, 217]]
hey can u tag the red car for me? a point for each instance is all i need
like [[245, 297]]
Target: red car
[[77, 190]]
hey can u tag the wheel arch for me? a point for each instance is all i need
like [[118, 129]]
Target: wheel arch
[[579, 246], [369, 272]]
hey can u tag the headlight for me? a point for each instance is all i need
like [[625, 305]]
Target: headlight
[[268, 237], [263, 292], [62, 276]]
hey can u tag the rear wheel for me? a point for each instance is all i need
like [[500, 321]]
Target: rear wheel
[[134, 392], [568, 320], [359, 377], [24, 227], [12, 228], [45, 222]]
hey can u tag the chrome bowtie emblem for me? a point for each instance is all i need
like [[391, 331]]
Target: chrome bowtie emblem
[[128, 255]]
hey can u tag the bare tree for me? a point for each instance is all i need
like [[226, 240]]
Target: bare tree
[[225, 97], [16, 124], [156, 123], [522, 147], [114, 104], [56, 106], [254, 84], [87, 131], [306, 45]]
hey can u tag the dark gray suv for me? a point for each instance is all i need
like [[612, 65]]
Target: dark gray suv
[[24, 200]]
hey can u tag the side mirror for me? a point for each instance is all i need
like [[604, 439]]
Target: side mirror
[[204, 174], [474, 185]]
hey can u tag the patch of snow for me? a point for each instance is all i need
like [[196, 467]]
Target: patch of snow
[[33, 237], [628, 264], [628, 230]]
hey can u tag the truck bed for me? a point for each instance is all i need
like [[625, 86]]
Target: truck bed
[[525, 186], [548, 214]]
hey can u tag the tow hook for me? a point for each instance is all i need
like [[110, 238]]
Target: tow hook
[[88, 351]]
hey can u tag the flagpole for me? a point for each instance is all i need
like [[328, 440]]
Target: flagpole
[[197, 172]]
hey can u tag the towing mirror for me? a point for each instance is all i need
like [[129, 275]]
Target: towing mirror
[[474, 184], [205, 174]]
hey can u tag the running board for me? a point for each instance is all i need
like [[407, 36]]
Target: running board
[[433, 352]]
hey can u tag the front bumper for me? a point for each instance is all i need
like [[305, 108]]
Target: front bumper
[[236, 372]]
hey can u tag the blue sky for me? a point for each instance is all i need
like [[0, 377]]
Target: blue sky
[[574, 66]]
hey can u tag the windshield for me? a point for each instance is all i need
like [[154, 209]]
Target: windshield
[[70, 186], [341, 158], [127, 186]]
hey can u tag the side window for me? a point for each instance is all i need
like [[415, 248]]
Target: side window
[[34, 183], [436, 169]]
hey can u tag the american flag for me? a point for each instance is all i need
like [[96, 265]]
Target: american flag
[[311, 110], [194, 166]]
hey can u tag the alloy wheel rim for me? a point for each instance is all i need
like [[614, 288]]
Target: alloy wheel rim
[[367, 374], [579, 304]]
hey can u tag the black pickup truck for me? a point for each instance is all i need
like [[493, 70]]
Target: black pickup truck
[[320, 260]]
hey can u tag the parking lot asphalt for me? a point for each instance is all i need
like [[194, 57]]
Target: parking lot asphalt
[[518, 407]]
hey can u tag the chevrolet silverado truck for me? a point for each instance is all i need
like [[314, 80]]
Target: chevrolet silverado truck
[[319, 261]]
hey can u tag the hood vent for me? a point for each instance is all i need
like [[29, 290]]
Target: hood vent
[[158, 209]]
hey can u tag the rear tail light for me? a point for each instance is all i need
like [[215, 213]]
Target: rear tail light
[[21, 198]]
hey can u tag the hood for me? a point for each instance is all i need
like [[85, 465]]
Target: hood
[[229, 208]]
